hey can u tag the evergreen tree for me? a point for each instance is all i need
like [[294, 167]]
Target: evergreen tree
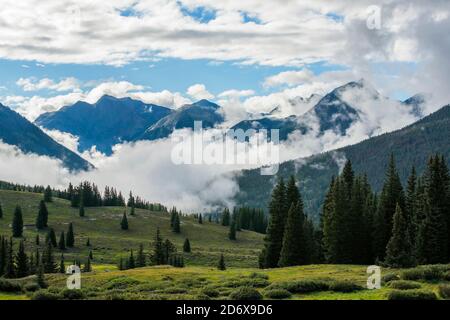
[[51, 237], [176, 224], [87, 266], [349, 176], [10, 268], [37, 241], [221, 265], [81, 211], [70, 240], [1, 211], [62, 266], [32, 264], [131, 263], [48, 194], [17, 224], [42, 218], [292, 193], [293, 252], [226, 217], [275, 231], [62, 241], [200, 218], [48, 259], [140, 259], [187, 246], [41, 277], [3, 255], [132, 212], [399, 251], [88, 242], [158, 250], [121, 266], [124, 222], [232, 232], [22, 266]]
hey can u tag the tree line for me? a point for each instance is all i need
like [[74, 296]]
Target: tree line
[[400, 227]]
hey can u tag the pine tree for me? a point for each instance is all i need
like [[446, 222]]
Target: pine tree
[[124, 222], [293, 252], [22, 266], [62, 266], [176, 224], [48, 260], [70, 240], [17, 224], [292, 193], [48, 194], [62, 242], [399, 251], [131, 263], [275, 231], [226, 217], [42, 218], [221, 265], [37, 241], [132, 212], [232, 232], [200, 218], [32, 264], [1, 211], [10, 268], [158, 250], [88, 242], [349, 176], [51, 237], [87, 266], [41, 277], [3, 252], [187, 246], [81, 211], [140, 259], [121, 266]]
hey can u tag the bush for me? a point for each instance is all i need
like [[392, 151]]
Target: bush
[[245, 293], [413, 274], [390, 277], [259, 275], [411, 295], [404, 285], [31, 287], [210, 292], [9, 286], [46, 295], [301, 286], [72, 294], [202, 297], [277, 294], [247, 282], [432, 273], [444, 291], [121, 283], [344, 286], [175, 290]]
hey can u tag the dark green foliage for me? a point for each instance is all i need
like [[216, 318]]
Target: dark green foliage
[[62, 241], [404, 285], [17, 223], [232, 232], [1, 211], [221, 265], [211, 292], [245, 293], [46, 295], [444, 291], [399, 250], [389, 277], [48, 260], [124, 222], [273, 241], [302, 286], [3, 255], [168, 249], [187, 246], [176, 224], [40, 277], [293, 251], [51, 237], [344, 286], [9, 286], [411, 295], [62, 266], [10, 268], [42, 218], [70, 240], [226, 217], [48, 196], [91, 255], [88, 242], [277, 294], [87, 265], [140, 259], [200, 218], [81, 211], [73, 294], [252, 219], [158, 249], [131, 264], [22, 263], [37, 241]]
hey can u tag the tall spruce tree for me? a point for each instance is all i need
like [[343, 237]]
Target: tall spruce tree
[[292, 193], [176, 224], [1, 211], [124, 222], [48, 194], [399, 251], [293, 252], [22, 265], [158, 250], [226, 217], [273, 241], [70, 239], [187, 246], [62, 266], [221, 265], [232, 232], [140, 259], [62, 241], [17, 223], [10, 268], [3, 253], [48, 259], [42, 218], [51, 237]]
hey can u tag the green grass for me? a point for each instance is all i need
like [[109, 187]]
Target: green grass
[[109, 242]]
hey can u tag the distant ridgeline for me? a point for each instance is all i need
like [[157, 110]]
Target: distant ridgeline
[[91, 197]]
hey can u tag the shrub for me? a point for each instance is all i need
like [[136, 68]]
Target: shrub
[[446, 276], [72, 294], [121, 283], [432, 273], [45, 295], [412, 274], [31, 287], [404, 285], [9, 286], [245, 293], [344, 286], [411, 295], [247, 282], [202, 297], [277, 294], [175, 290], [390, 277], [259, 275], [444, 291], [302, 286], [210, 292]]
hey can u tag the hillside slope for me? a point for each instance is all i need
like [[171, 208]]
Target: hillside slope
[[109, 242], [411, 145], [18, 131]]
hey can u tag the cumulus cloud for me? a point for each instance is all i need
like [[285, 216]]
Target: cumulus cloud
[[290, 78], [32, 84], [198, 92]]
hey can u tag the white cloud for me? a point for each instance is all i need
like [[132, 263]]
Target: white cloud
[[233, 93], [198, 92], [290, 78], [31, 84]]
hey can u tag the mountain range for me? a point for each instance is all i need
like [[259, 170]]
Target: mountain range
[[18, 131], [411, 146]]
